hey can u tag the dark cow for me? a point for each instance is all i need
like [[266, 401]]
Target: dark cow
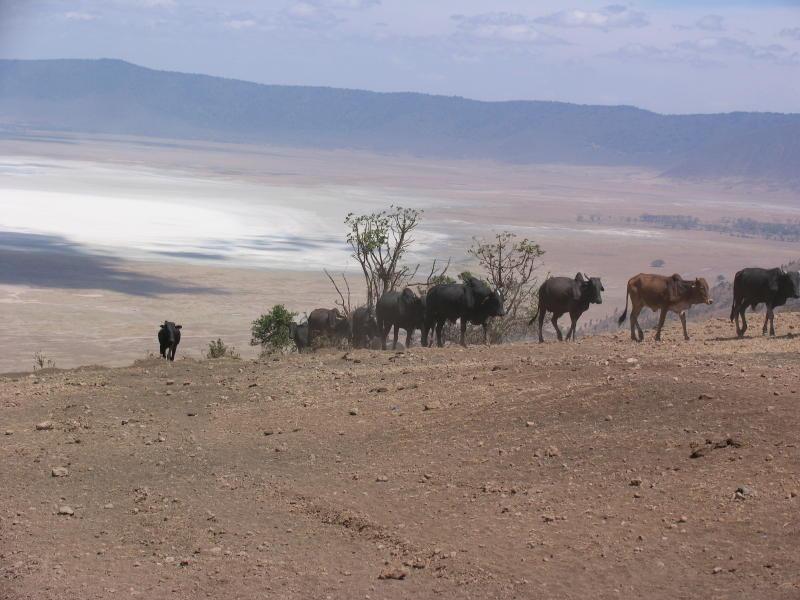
[[364, 327], [753, 286], [299, 335], [327, 322], [560, 295], [401, 310], [169, 336], [472, 301], [660, 292]]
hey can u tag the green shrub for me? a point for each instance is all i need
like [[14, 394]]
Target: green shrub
[[271, 331]]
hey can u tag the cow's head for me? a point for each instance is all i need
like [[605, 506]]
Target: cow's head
[[492, 306], [701, 292], [413, 305], [171, 328], [792, 284], [592, 288]]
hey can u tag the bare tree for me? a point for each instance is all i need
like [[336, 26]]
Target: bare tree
[[379, 241], [344, 301], [511, 265]]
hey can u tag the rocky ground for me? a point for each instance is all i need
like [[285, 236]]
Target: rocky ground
[[602, 469]]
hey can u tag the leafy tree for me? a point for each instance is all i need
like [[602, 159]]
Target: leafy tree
[[379, 241], [511, 265], [271, 331]]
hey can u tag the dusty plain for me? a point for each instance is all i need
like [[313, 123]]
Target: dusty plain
[[521, 471], [83, 305]]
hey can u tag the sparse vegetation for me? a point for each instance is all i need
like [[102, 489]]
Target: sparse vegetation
[[511, 265], [271, 330], [218, 349], [41, 361], [657, 263], [379, 241]]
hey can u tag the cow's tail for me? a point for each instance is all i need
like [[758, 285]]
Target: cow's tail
[[624, 312]]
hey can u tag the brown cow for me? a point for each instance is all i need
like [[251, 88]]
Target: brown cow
[[659, 292]]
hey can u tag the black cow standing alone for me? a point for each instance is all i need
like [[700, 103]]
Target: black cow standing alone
[[403, 310], [753, 286], [472, 301], [363, 327], [169, 336], [560, 295]]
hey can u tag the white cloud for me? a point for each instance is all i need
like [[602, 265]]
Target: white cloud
[[613, 16], [79, 16], [240, 23], [711, 23], [727, 46], [506, 27], [792, 33]]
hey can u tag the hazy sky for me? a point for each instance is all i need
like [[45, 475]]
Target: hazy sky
[[669, 56]]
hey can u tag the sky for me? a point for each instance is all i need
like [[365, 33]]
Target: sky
[[676, 56]]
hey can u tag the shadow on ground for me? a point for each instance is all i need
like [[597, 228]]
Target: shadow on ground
[[55, 262]]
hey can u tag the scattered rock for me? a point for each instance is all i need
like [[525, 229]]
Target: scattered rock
[[635, 482], [716, 570], [552, 451], [743, 492], [379, 390], [44, 426], [632, 361], [108, 506], [353, 411], [59, 472], [191, 413], [382, 478], [432, 405], [9, 432], [397, 573], [530, 424], [66, 511]]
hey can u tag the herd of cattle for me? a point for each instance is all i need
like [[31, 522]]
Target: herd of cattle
[[473, 301]]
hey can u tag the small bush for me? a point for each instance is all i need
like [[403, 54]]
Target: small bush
[[657, 263], [40, 361], [271, 331], [218, 349]]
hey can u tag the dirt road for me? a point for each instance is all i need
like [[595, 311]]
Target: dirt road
[[524, 471]]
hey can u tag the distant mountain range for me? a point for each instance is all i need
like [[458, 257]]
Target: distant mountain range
[[113, 96]]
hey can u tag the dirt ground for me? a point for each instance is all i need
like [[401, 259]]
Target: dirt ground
[[522, 471]]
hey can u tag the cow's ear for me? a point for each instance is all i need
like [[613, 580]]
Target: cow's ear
[[579, 278], [178, 326], [162, 326]]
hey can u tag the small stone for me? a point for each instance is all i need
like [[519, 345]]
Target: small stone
[[44, 426], [66, 510], [609, 418], [108, 506], [9, 432], [530, 424], [632, 361], [552, 451], [59, 472], [716, 570], [432, 405], [635, 482], [705, 396], [170, 382], [382, 478], [397, 573], [683, 519], [354, 411], [191, 413]]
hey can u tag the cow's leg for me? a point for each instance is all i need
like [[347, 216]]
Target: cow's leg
[[541, 324], [683, 322], [573, 326], [409, 338], [396, 334], [554, 321], [742, 312], [766, 320], [661, 319], [637, 335], [463, 323], [439, 327], [163, 350], [771, 314]]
